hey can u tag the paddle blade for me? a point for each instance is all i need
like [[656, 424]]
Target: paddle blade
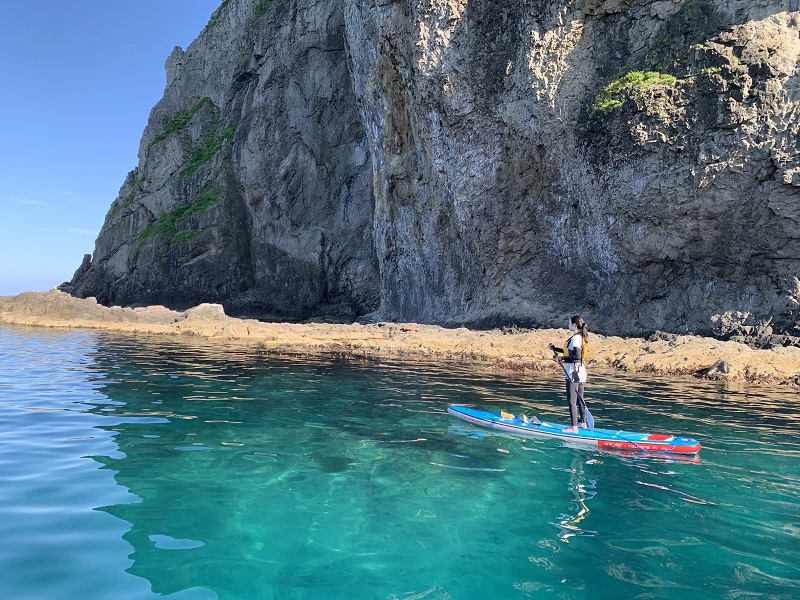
[[589, 418]]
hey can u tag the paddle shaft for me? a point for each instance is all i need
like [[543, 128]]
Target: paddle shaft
[[589, 417]]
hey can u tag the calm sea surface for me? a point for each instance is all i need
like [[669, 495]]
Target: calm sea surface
[[139, 467]]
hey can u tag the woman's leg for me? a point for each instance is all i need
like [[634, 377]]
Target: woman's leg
[[581, 405], [572, 399]]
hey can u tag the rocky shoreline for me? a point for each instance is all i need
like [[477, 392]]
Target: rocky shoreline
[[501, 349]]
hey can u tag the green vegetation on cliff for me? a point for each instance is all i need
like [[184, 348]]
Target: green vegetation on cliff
[[178, 122], [212, 143], [261, 9], [167, 223], [185, 236], [120, 204], [215, 15], [610, 97], [137, 182]]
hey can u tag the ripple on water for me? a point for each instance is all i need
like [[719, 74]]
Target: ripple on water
[[256, 477]]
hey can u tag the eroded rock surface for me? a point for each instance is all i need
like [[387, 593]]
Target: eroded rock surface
[[473, 162]]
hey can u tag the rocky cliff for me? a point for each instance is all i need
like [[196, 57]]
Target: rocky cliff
[[472, 161]]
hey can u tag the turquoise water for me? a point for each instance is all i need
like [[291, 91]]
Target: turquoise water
[[136, 467]]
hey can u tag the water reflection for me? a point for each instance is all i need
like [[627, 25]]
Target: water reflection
[[582, 490]]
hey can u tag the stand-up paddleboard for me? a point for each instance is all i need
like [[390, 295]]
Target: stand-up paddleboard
[[598, 438]]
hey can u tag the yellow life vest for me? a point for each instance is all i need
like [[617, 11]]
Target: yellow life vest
[[584, 348]]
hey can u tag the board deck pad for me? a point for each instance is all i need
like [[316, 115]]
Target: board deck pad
[[599, 438]]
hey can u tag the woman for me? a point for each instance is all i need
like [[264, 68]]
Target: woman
[[574, 356]]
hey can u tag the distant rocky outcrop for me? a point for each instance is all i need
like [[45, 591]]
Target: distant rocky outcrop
[[472, 162]]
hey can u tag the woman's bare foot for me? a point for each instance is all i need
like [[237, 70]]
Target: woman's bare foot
[[584, 426], [570, 430]]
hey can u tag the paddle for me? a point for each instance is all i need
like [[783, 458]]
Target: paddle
[[589, 417]]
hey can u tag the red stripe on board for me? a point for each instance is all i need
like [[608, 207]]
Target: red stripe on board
[[623, 445]]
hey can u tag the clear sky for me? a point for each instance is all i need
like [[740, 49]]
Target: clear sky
[[77, 81]]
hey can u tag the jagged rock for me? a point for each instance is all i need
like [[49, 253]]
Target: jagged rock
[[718, 369], [173, 65], [746, 329], [662, 336], [80, 272], [461, 162]]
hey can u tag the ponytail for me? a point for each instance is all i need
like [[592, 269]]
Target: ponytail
[[581, 326]]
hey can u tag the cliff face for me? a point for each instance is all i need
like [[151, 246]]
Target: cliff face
[[473, 161], [254, 187]]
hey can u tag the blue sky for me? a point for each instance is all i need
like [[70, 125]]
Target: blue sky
[[77, 82]]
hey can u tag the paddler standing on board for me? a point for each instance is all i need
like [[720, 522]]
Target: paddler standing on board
[[574, 355]]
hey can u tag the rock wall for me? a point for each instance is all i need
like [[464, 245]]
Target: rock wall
[[473, 161], [253, 187]]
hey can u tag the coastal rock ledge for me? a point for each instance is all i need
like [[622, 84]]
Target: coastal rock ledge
[[506, 349]]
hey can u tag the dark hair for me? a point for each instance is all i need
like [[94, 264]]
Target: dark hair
[[581, 325]]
